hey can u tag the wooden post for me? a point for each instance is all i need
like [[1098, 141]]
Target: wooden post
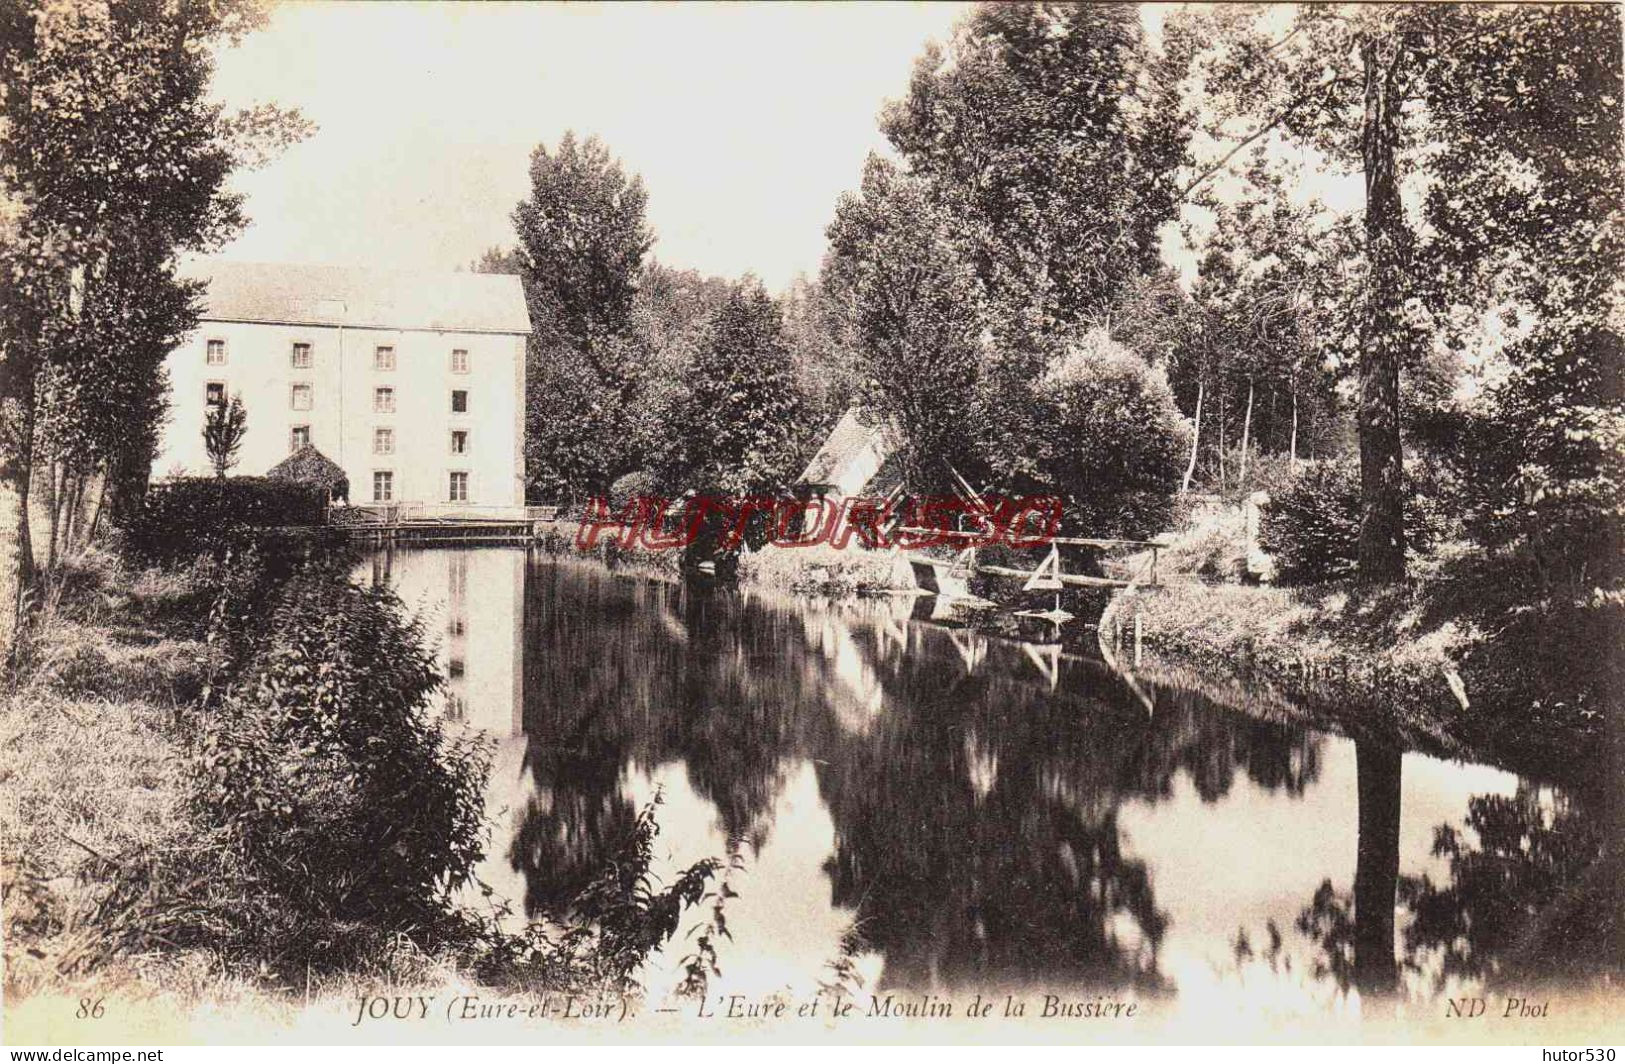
[[1136, 639]]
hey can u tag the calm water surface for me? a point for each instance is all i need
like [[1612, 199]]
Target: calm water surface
[[926, 808]]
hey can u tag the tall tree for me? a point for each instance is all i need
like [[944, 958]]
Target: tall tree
[[112, 161], [818, 350], [582, 243], [737, 427], [1448, 113], [910, 301], [223, 427], [1051, 134]]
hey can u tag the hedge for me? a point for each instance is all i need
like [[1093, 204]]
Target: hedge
[[182, 518]]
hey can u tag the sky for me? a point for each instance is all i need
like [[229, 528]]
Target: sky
[[747, 122]]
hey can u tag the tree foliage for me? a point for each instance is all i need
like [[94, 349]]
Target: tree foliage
[[1051, 134], [1108, 439], [736, 430], [582, 240], [1488, 142], [223, 428], [910, 302], [112, 161]]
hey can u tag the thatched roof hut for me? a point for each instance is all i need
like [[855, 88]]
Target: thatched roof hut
[[307, 465]]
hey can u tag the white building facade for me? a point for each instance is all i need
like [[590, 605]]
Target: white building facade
[[413, 383]]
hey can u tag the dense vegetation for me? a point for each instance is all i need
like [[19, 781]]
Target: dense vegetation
[[1094, 268], [314, 816], [188, 516]]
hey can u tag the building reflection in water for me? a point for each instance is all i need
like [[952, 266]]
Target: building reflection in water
[[927, 806]]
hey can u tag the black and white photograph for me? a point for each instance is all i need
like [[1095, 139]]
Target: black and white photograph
[[537, 524]]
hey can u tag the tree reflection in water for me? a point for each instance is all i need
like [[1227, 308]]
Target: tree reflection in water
[[1534, 899], [974, 808], [1530, 898]]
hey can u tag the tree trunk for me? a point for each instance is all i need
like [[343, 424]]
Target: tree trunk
[[1246, 436], [1383, 340], [20, 568], [101, 504], [75, 527], [1292, 444], [53, 507], [1196, 438], [1376, 869]]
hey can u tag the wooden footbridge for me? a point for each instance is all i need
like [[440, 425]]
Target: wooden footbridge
[[442, 525], [951, 575]]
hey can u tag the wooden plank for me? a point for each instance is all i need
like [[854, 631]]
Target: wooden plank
[[1070, 579], [1064, 540]]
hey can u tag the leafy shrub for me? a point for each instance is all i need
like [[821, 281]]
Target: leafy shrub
[[1312, 526], [605, 934], [641, 484], [1542, 458], [183, 518], [1105, 434], [337, 802]]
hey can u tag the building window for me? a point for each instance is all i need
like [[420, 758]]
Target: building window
[[459, 441], [298, 436], [455, 669], [459, 401], [383, 485], [383, 441], [459, 488], [214, 393], [457, 626], [216, 353], [299, 397], [383, 400], [383, 358], [459, 360], [301, 356]]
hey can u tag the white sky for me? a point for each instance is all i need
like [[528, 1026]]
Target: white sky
[[746, 122]]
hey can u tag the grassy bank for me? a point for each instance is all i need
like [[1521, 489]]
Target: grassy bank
[[90, 767], [201, 772], [1468, 656]]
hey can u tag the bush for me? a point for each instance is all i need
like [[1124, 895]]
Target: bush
[[338, 803], [1312, 526], [186, 517], [1542, 458], [1109, 439], [638, 485]]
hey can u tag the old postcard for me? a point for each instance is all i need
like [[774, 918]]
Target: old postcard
[[532, 523]]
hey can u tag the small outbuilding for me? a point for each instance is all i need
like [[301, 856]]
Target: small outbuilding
[[850, 458], [307, 465]]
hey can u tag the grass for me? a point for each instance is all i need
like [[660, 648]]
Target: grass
[[114, 884], [89, 768], [1469, 656], [824, 570]]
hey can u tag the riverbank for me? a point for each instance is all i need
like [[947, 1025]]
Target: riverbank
[[196, 763], [1461, 658]]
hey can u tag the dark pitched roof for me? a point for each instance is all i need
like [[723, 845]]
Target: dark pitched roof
[[362, 297], [307, 465]]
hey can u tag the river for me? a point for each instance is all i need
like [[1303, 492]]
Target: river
[[913, 806]]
